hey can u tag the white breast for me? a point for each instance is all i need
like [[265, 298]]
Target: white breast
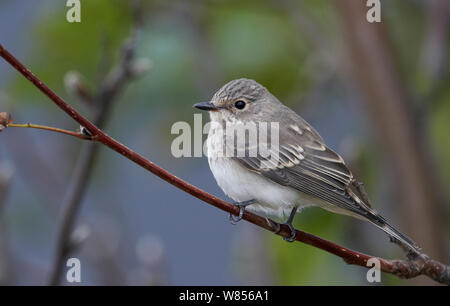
[[241, 184]]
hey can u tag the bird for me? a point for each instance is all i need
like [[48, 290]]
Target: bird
[[301, 171]]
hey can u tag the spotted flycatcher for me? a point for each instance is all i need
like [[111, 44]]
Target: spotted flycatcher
[[300, 170]]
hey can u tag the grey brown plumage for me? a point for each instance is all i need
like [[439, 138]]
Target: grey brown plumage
[[304, 162]]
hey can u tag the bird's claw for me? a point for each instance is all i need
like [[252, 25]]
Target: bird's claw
[[235, 219], [277, 227], [293, 233], [291, 227]]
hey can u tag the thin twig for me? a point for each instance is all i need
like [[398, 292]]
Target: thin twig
[[402, 268], [49, 128]]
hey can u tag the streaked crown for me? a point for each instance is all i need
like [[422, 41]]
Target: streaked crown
[[240, 88]]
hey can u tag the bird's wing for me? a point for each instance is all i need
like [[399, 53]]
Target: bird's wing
[[305, 163]]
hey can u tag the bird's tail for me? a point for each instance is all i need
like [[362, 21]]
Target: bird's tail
[[381, 223], [370, 214]]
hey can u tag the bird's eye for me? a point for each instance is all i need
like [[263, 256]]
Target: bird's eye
[[239, 104]]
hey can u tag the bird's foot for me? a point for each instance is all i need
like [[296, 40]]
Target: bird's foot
[[242, 205], [293, 233], [291, 238]]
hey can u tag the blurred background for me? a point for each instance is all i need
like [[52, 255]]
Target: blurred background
[[378, 93]]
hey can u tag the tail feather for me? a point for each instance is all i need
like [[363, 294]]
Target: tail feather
[[396, 234], [373, 216]]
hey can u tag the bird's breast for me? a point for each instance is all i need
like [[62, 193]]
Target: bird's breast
[[241, 184]]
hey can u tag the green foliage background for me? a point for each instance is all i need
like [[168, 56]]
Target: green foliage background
[[255, 39]]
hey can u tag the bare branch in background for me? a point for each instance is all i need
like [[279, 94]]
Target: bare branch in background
[[109, 92], [6, 174], [102, 101], [389, 105], [422, 265]]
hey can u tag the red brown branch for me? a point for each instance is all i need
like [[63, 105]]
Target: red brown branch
[[402, 268]]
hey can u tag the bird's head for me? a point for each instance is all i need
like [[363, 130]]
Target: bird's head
[[241, 100]]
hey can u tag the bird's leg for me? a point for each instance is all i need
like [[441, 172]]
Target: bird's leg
[[289, 224], [241, 205]]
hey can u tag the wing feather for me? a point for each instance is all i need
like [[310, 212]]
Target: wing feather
[[305, 163]]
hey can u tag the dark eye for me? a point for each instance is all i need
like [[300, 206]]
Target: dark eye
[[239, 104]]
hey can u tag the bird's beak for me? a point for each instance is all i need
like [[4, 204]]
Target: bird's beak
[[207, 106]]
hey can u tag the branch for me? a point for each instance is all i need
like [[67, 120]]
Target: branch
[[422, 265], [110, 89], [49, 128]]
